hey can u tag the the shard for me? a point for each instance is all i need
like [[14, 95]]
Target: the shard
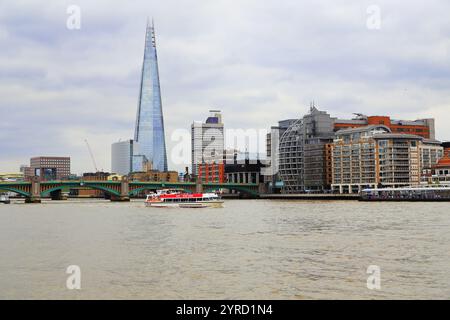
[[149, 131]]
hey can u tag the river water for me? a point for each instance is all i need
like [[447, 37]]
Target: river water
[[250, 249]]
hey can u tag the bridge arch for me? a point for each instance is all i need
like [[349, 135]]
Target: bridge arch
[[77, 186], [248, 191], [11, 189]]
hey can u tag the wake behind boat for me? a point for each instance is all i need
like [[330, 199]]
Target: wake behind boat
[[179, 199]]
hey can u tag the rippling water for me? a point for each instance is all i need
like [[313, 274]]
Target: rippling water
[[250, 249]]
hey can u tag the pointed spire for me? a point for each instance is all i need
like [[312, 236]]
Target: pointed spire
[[150, 33], [149, 131], [153, 33]]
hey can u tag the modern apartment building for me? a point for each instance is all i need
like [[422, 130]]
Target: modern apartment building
[[439, 174], [207, 141], [373, 156], [430, 153]]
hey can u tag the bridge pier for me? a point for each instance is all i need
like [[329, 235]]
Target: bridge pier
[[199, 185], [262, 188], [33, 200], [35, 191], [124, 191], [120, 199]]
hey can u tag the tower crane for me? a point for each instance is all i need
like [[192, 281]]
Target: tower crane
[[92, 155]]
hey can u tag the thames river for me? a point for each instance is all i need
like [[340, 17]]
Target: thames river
[[250, 249]]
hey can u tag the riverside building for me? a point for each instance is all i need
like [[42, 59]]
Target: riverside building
[[431, 151], [303, 159], [373, 156], [271, 176], [440, 172], [302, 153]]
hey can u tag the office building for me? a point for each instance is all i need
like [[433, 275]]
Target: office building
[[48, 168], [140, 163], [270, 170], [207, 141], [246, 171], [302, 153], [422, 127], [149, 130], [122, 154]]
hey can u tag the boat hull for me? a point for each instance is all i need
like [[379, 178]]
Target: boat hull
[[205, 204], [4, 199]]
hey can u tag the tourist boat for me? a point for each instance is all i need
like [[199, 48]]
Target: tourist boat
[[4, 198], [424, 193], [180, 199]]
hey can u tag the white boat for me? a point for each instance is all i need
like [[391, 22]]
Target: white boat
[[179, 199], [4, 198], [412, 193]]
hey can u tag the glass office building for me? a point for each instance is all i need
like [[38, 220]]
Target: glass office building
[[302, 153], [122, 156], [149, 132]]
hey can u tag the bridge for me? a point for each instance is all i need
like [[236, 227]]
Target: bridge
[[122, 190]]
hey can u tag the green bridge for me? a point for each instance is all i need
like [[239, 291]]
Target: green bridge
[[122, 190]]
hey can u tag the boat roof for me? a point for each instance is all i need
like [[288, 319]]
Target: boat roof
[[407, 189]]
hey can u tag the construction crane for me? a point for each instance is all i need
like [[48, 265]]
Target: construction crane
[[92, 155]]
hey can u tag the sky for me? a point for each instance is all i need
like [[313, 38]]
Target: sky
[[257, 61]]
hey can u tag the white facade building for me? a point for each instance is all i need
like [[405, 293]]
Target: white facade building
[[122, 156], [207, 141]]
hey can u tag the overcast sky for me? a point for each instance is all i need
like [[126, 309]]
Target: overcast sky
[[257, 61]]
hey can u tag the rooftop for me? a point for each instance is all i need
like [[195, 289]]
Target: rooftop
[[362, 129]]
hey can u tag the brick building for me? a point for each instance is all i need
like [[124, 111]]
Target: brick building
[[48, 168], [211, 172], [423, 127]]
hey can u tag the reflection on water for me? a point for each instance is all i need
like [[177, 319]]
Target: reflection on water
[[257, 249]]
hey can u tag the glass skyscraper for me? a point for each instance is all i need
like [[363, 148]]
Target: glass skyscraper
[[149, 131]]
